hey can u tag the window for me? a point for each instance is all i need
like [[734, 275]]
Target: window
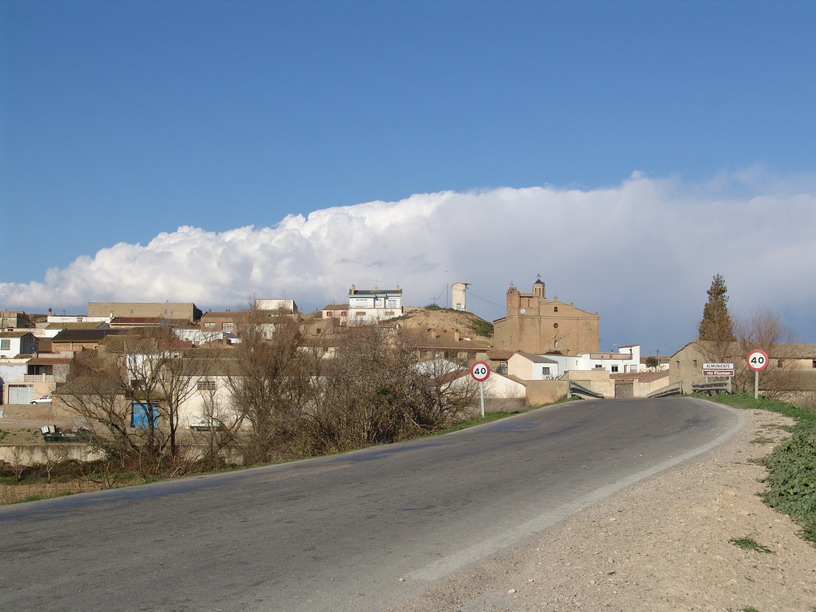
[[614, 369], [206, 385], [599, 366], [228, 327], [555, 309], [392, 303], [694, 363], [142, 414], [545, 370], [5, 345], [209, 324], [555, 325]]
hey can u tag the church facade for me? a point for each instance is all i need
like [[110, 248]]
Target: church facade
[[538, 326]]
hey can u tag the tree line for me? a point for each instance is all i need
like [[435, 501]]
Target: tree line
[[274, 396]]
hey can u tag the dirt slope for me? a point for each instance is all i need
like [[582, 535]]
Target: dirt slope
[[467, 324]]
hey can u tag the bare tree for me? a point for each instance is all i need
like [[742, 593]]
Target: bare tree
[[374, 393], [764, 330], [18, 461], [54, 454], [273, 382], [95, 391]]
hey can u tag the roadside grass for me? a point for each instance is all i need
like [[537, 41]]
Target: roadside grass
[[792, 464], [748, 543]]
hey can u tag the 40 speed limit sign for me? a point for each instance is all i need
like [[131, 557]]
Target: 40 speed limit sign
[[480, 371], [757, 360]]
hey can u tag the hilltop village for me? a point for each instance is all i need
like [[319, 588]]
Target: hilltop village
[[542, 350]]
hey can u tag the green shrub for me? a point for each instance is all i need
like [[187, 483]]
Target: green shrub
[[792, 465]]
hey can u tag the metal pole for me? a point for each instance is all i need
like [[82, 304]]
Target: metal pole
[[481, 394], [756, 384]]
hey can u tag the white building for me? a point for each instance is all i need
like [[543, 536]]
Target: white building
[[13, 343], [373, 305], [552, 367], [280, 306]]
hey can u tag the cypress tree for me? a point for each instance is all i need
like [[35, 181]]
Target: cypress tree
[[716, 324]]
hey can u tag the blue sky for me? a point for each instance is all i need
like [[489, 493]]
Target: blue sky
[[124, 121]]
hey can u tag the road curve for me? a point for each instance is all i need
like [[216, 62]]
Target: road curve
[[360, 531]]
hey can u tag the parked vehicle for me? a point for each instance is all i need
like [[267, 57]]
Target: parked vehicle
[[45, 399]]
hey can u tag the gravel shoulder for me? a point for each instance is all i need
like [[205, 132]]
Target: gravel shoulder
[[661, 544]]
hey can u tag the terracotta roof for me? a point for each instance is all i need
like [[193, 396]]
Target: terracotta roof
[[499, 355], [14, 334], [49, 360], [82, 325], [83, 335], [642, 376], [538, 358], [147, 320]]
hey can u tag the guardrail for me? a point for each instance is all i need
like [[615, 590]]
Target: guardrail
[[675, 389], [712, 388], [580, 390]]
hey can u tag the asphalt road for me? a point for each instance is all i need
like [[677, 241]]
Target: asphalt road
[[360, 531]]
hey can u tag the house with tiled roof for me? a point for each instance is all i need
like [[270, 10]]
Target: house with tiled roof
[[52, 329], [338, 312], [790, 373], [13, 343], [75, 340]]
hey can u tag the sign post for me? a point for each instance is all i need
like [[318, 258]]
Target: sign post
[[479, 371], [720, 371], [757, 361]]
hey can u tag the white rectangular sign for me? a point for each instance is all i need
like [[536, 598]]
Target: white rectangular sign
[[718, 372], [718, 366]]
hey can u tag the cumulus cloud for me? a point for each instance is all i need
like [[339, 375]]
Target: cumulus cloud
[[641, 253]]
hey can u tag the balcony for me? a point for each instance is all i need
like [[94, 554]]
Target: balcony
[[34, 378]]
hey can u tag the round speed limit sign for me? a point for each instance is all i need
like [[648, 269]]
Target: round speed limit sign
[[480, 371], [757, 360]]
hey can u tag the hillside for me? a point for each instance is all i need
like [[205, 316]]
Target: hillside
[[467, 324]]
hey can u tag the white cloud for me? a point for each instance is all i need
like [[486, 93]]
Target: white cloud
[[642, 254]]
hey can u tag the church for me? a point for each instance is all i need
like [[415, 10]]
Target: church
[[538, 326]]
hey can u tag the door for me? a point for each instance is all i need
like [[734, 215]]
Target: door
[[624, 389], [20, 394]]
